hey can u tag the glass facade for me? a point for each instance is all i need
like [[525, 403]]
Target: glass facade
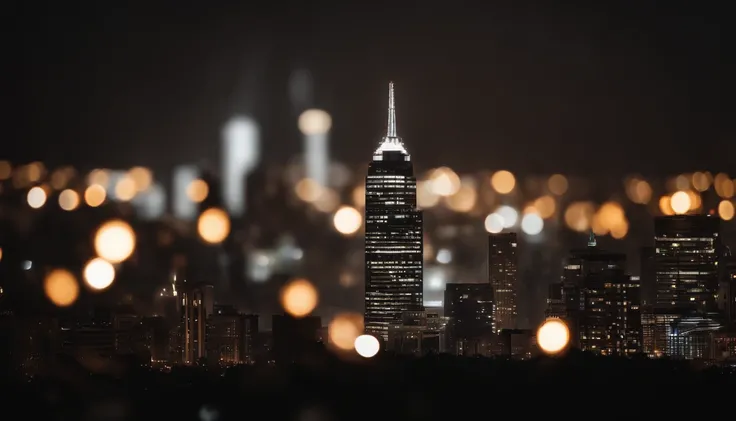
[[686, 263], [393, 235]]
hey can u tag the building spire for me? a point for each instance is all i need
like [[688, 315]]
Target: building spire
[[591, 239], [391, 130]]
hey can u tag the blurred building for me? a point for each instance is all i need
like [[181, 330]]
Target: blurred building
[[240, 155], [469, 312], [393, 234], [503, 277], [231, 337], [197, 302]]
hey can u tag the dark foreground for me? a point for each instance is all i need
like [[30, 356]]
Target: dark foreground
[[439, 387]]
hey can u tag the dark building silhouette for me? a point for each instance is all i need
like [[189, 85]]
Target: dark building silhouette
[[469, 309], [295, 339], [231, 337]]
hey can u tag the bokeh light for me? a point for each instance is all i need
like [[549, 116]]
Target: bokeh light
[[99, 273], [308, 190], [213, 225], [36, 197], [347, 220], [579, 216], [701, 181], [723, 185], [557, 184], [198, 190], [680, 202], [508, 214], [68, 200], [61, 287], [665, 206], [142, 178], [503, 181], [553, 336], [464, 199], [494, 223], [344, 329], [125, 189], [444, 182], [726, 210], [314, 122], [115, 241], [99, 176], [367, 346], [545, 206], [532, 224], [95, 195], [299, 298]]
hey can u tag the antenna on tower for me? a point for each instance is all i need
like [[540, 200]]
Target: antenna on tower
[[391, 130]]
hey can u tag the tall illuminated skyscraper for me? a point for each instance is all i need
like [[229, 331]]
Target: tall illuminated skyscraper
[[502, 275], [393, 234], [240, 154]]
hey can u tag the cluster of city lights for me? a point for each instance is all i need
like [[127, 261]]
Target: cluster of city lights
[[495, 200]]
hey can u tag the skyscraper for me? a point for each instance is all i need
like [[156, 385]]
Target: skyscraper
[[687, 251], [502, 275], [393, 234], [602, 302]]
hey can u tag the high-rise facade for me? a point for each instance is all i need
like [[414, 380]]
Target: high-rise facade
[[602, 303], [687, 252], [686, 248], [502, 275], [469, 309], [393, 234]]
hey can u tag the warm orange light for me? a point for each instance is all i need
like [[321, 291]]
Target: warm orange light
[[347, 220], [299, 298], [61, 287], [557, 184], [680, 202], [503, 181], [68, 200], [308, 190], [142, 178], [126, 189], [213, 225], [359, 196], [726, 210], [343, 330], [95, 195], [553, 336], [198, 190], [36, 197], [99, 273], [115, 241]]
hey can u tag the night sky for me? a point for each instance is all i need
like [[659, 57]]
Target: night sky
[[609, 88]]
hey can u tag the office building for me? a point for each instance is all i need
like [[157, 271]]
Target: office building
[[393, 234], [502, 275], [602, 302], [687, 252], [469, 312]]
